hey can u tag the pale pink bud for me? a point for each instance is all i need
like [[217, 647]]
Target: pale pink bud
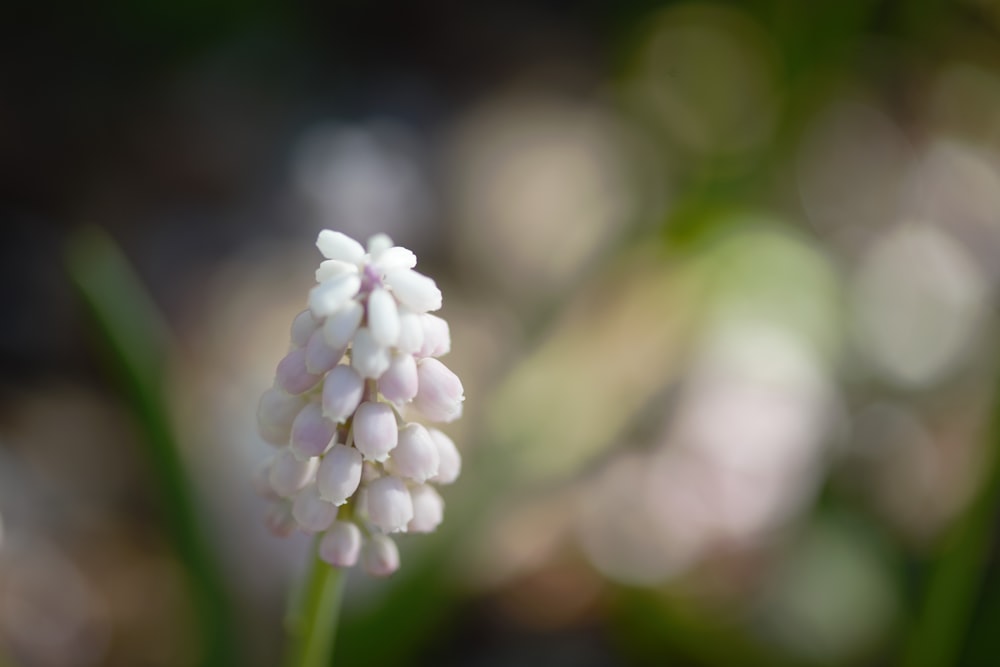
[[312, 513], [341, 544], [292, 375], [440, 395], [389, 505], [380, 556], [411, 332], [428, 509], [340, 327], [339, 474], [414, 290], [333, 267], [375, 433], [416, 455], [383, 317], [399, 382], [276, 413], [368, 356], [436, 336], [288, 474], [320, 357], [279, 519], [342, 393], [450, 460], [303, 326], [312, 433]]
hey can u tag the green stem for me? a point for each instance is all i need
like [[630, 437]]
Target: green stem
[[312, 627], [955, 579]]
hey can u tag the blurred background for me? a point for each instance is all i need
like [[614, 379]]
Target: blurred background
[[722, 286]]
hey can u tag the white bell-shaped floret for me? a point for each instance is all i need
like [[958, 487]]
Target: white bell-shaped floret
[[312, 433], [389, 505], [375, 433], [414, 290], [399, 382], [333, 294], [440, 394], [340, 326], [450, 465], [292, 374], [415, 456], [383, 317], [312, 513], [411, 332], [303, 326], [276, 413], [436, 336], [341, 544], [320, 357], [342, 393], [339, 474], [368, 356], [428, 509], [380, 556], [279, 519], [288, 474]]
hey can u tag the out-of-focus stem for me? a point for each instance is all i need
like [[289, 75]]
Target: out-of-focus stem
[[137, 341], [939, 632], [312, 625]]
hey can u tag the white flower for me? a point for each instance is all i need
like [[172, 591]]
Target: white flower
[[381, 556], [428, 509], [389, 505], [341, 544], [416, 456], [440, 395], [365, 345]]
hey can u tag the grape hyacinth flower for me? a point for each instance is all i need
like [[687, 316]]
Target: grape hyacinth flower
[[350, 405]]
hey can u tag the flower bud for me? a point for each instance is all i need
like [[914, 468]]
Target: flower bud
[[339, 246], [311, 432], [389, 504], [339, 474], [288, 474], [440, 395], [340, 326], [375, 433], [341, 545], [303, 326], [383, 317], [292, 375], [381, 556], [342, 393], [428, 509], [368, 357], [333, 293], [450, 460], [414, 290], [320, 357], [312, 513], [436, 336], [416, 455], [276, 413], [399, 382], [279, 519], [411, 332]]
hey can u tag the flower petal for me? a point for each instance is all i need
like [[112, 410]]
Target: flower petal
[[336, 245], [275, 414], [333, 294], [375, 433], [312, 513], [380, 556], [368, 357], [440, 395], [378, 244], [399, 382], [288, 474], [341, 544], [312, 433], [383, 317], [340, 326], [411, 332], [450, 460], [415, 456], [342, 393], [428, 509], [302, 327], [320, 356], [334, 267], [414, 290], [389, 504], [292, 374], [437, 336], [339, 474], [394, 258]]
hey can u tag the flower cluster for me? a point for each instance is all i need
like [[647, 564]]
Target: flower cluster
[[363, 360]]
